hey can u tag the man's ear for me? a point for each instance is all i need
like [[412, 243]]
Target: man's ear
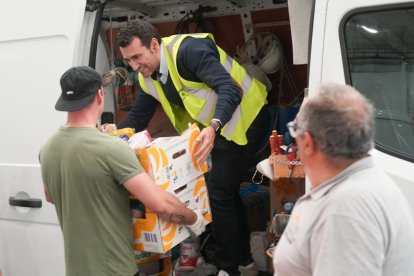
[[154, 45], [100, 95], [308, 146]]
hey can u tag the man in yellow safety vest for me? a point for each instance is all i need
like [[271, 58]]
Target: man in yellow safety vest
[[194, 80]]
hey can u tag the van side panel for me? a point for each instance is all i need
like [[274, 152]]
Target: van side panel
[[37, 44]]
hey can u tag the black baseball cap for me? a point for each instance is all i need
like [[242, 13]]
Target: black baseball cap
[[79, 85]]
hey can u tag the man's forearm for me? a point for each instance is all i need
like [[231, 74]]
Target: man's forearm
[[177, 212], [164, 204]]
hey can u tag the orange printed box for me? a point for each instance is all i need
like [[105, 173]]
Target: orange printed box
[[153, 234], [170, 161], [195, 196], [154, 263]]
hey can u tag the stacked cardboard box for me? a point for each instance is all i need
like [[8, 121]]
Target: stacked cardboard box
[[171, 163], [157, 264]]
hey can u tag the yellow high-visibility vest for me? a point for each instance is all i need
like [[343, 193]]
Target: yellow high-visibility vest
[[200, 100]]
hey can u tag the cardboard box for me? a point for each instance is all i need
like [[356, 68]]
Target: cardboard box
[[154, 263], [195, 196], [153, 234], [170, 161], [285, 190]]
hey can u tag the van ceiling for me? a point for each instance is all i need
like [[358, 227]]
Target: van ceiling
[[165, 10]]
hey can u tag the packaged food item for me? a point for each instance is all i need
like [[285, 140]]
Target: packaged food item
[[123, 131], [189, 252], [140, 140], [110, 128]]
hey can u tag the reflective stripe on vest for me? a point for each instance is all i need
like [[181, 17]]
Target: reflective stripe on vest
[[211, 100], [210, 96], [151, 88]]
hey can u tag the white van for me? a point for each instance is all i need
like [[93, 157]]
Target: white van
[[365, 43]]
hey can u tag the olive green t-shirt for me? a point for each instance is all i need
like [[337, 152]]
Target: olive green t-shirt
[[84, 171]]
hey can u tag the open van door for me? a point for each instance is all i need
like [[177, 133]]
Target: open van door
[[38, 42], [369, 45]]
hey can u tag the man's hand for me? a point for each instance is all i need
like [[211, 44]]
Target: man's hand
[[206, 143], [199, 226]]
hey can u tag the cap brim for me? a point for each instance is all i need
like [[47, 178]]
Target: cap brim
[[73, 105]]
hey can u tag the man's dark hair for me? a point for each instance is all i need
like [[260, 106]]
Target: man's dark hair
[[140, 29]]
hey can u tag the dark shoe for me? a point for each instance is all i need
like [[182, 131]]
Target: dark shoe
[[248, 268], [247, 265]]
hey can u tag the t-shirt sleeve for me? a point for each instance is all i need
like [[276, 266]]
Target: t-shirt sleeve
[[122, 161]]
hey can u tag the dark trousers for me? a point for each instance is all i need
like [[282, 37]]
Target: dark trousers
[[229, 162]]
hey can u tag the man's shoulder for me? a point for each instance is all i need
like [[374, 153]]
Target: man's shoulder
[[53, 138], [369, 189], [193, 43], [118, 142], [196, 47], [101, 140]]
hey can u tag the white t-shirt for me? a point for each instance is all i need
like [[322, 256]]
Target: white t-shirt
[[358, 223]]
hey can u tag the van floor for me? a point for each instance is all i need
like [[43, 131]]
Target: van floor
[[200, 273]]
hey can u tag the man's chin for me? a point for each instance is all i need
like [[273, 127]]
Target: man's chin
[[145, 73]]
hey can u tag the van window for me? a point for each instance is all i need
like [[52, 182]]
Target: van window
[[379, 47]]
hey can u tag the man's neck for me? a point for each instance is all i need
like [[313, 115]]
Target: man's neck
[[325, 169], [81, 119]]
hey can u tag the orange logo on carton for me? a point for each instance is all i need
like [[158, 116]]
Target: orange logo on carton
[[168, 234], [201, 195], [171, 160], [147, 224], [159, 160], [193, 146]]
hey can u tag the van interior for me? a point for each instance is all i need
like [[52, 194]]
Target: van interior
[[239, 27]]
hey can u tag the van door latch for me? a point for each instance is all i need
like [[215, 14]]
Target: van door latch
[[30, 202]]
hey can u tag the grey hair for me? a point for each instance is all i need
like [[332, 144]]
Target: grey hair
[[340, 120], [140, 29]]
